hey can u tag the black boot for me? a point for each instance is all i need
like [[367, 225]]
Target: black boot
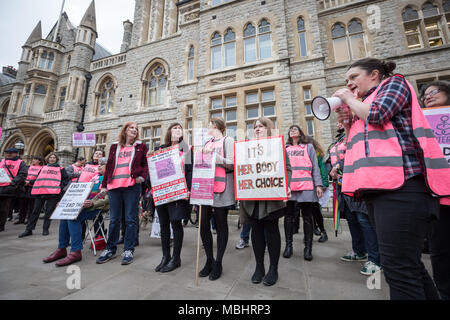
[[308, 234], [323, 237], [259, 273], [271, 277], [174, 263], [216, 271], [26, 233], [164, 261], [206, 269], [288, 231]]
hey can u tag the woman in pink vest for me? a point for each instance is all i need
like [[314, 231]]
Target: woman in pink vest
[[224, 198], [395, 164], [90, 170], [27, 202], [437, 94], [126, 169], [172, 213], [306, 189], [48, 190], [264, 216]]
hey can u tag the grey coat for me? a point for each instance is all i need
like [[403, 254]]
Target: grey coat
[[265, 207]]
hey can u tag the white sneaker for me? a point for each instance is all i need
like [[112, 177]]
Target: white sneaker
[[241, 244], [370, 268]]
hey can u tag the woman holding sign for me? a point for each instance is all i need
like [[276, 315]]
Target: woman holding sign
[[306, 188], [125, 171], [395, 164], [224, 199], [48, 189], [263, 216], [173, 213]]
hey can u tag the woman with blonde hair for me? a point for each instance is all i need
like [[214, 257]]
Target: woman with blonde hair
[[126, 169]]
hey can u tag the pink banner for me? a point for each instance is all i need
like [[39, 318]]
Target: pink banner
[[439, 120]]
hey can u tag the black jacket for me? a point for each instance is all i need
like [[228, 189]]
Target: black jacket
[[18, 181]]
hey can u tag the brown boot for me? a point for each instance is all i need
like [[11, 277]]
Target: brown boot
[[58, 254], [71, 258]]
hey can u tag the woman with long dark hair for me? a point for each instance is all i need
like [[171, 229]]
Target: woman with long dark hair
[[264, 216], [172, 213], [306, 188], [125, 171], [395, 164]]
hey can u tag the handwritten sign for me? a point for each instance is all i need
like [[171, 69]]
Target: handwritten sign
[[202, 189], [83, 139], [167, 177], [72, 202], [4, 178], [260, 169], [439, 120]]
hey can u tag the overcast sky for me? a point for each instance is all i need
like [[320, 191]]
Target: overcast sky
[[19, 17]]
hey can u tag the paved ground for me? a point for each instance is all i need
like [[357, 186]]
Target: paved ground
[[23, 275]]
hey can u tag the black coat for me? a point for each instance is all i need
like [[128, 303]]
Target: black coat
[[16, 189], [179, 210]]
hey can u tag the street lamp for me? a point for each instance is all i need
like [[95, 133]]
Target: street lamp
[[19, 146], [80, 127]]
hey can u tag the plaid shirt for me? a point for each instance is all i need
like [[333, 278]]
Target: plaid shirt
[[393, 103]]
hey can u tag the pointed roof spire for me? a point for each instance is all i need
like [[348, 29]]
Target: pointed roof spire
[[36, 34], [89, 19]]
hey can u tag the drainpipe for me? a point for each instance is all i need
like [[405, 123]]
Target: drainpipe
[[80, 127]]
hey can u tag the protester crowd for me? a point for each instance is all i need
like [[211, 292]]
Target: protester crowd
[[386, 168]]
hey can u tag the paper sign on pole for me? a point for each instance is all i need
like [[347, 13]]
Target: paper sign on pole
[[156, 227], [439, 120], [168, 181], [260, 169], [72, 202], [4, 178], [83, 139], [202, 189]]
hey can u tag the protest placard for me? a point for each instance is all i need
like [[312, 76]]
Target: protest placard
[[439, 120], [167, 177], [201, 137], [202, 189], [72, 202], [156, 227], [260, 169], [4, 178], [83, 139]]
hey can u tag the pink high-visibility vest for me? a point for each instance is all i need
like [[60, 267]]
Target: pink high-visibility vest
[[48, 181], [33, 172], [122, 174], [337, 152], [382, 168], [301, 168], [13, 166], [220, 178], [89, 171]]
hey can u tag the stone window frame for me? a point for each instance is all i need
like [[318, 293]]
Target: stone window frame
[[191, 63], [148, 75], [189, 117], [224, 110], [259, 104], [223, 43], [152, 141], [61, 98], [4, 106], [102, 144], [98, 95], [257, 35], [419, 23], [302, 32], [68, 62], [307, 101], [347, 36]]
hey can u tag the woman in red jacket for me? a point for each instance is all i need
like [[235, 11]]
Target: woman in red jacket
[[126, 169]]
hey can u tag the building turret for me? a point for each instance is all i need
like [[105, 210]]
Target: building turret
[[127, 33], [27, 54]]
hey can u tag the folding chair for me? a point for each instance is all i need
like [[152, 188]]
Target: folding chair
[[90, 224]]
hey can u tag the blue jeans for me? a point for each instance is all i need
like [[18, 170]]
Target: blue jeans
[[128, 197], [71, 230], [370, 237], [245, 233], [356, 231]]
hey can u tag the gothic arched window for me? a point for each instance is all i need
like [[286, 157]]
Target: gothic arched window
[[191, 57], [157, 84], [107, 94], [302, 37], [51, 58], [43, 60], [216, 51]]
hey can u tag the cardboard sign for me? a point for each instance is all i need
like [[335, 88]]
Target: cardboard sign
[[439, 120], [260, 169], [167, 177], [202, 189], [83, 139], [72, 202], [4, 178]]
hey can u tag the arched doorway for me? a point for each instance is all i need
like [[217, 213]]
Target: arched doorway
[[42, 144]]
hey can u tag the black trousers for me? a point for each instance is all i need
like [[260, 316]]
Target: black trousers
[[50, 205], [221, 221], [4, 209], [266, 232], [26, 208], [440, 252], [402, 218], [178, 232]]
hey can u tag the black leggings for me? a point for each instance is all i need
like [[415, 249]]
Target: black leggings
[[266, 232], [317, 214], [221, 221], [178, 233]]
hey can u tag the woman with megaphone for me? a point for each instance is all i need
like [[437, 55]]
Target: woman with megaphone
[[394, 163]]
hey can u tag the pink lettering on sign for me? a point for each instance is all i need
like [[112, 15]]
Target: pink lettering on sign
[[90, 136], [78, 136], [165, 168]]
